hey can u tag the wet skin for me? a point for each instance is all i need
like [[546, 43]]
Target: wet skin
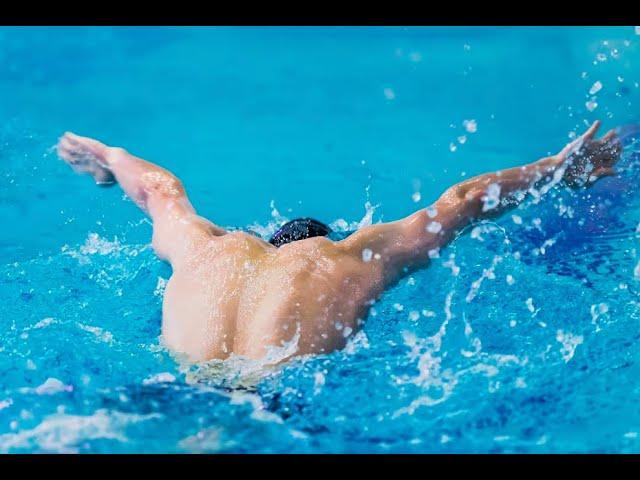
[[232, 292]]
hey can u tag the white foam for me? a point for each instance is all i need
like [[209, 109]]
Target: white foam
[[163, 377], [491, 198], [237, 370], [318, 382], [51, 386], [259, 411], [62, 433], [206, 440], [598, 311], [161, 286], [487, 273], [451, 263], [430, 375], [97, 245], [569, 343], [45, 322], [101, 334], [342, 225]]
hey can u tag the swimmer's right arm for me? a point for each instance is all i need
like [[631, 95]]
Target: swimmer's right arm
[[408, 243], [177, 228]]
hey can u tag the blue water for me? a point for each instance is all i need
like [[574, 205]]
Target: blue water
[[527, 331]]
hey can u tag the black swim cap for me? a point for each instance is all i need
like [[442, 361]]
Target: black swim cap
[[299, 229]]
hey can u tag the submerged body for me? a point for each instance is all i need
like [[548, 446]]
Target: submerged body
[[234, 293]]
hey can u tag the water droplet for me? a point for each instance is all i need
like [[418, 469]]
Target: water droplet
[[595, 88], [389, 94], [491, 198], [470, 126], [530, 306], [434, 227]]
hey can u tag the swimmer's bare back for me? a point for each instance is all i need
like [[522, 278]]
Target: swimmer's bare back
[[232, 292]]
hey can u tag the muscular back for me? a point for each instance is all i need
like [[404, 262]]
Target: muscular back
[[238, 294]]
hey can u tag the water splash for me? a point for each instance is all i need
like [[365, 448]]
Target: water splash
[[62, 433]]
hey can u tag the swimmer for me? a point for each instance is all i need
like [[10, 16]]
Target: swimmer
[[234, 293]]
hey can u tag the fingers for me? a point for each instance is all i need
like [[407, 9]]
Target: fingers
[[70, 137], [589, 134], [610, 135], [605, 171], [601, 172], [577, 144], [66, 150], [69, 151], [94, 146]]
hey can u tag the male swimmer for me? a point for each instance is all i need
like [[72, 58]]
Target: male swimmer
[[234, 293]]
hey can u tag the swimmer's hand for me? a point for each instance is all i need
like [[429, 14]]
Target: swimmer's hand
[[85, 155], [588, 160]]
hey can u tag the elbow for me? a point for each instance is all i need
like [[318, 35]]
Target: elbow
[[162, 184]]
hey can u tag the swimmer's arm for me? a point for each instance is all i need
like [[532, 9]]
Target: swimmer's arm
[[177, 229], [406, 244]]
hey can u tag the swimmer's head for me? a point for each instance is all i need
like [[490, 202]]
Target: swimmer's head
[[299, 229]]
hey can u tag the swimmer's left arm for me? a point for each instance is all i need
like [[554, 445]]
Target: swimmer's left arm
[[410, 242]]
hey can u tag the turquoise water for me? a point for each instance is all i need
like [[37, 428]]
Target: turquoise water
[[527, 331]]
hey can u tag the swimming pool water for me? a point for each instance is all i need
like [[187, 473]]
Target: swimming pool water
[[522, 336]]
